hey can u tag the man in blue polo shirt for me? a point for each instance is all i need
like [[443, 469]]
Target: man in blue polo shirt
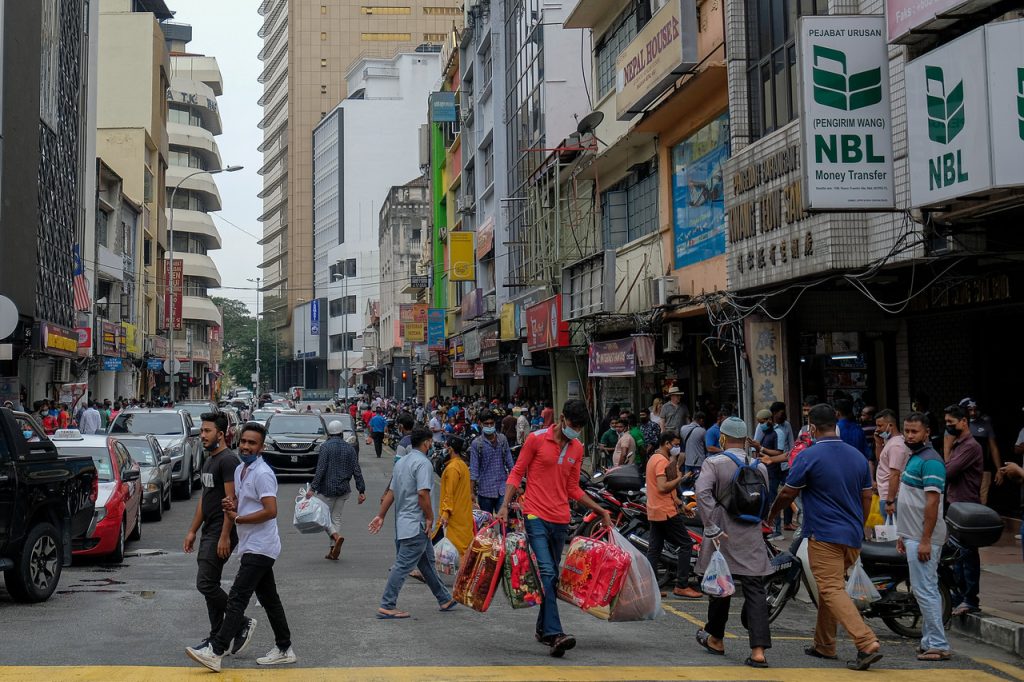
[[378, 424], [713, 436], [835, 483]]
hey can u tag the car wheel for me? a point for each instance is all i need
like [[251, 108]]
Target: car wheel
[[37, 570], [185, 487], [137, 530], [159, 513], [117, 556], [165, 498]]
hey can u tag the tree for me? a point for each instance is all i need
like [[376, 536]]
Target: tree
[[240, 344]]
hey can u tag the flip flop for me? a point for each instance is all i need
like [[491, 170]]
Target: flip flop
[[864, 660], [397, 615], [756, 664], [702, 639], [934, 655], [449, 607], [811, 651]]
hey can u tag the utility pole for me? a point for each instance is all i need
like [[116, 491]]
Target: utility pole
[[256, 383]]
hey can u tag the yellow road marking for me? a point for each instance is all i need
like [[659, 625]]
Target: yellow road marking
[[685, 616], [480, 674], [1006, 668]]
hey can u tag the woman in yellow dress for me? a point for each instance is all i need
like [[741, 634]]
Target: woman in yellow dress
[[456, 509]]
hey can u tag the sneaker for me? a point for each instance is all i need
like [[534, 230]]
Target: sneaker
[[205, 656], [244, 636], [202, 644], [276, 657], [560, 644]]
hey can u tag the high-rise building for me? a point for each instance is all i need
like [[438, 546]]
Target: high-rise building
[[308, 48]]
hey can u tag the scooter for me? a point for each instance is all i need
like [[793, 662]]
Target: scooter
[[888, 571]]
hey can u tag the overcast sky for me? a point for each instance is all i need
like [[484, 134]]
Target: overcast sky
[[226, 29]]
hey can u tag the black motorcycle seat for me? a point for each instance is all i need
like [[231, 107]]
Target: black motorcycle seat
[[881, 552]]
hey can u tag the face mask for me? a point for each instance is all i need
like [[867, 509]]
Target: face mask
[[490, 430], [644, 420], [884, 435], [917, 447], [212, 446], [952, 429], [27, 434], [249, 459], [570, 432], [674, 451]]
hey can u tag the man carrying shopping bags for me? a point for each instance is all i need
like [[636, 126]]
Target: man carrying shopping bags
[[741, 544], [550, 460], [336, 465]]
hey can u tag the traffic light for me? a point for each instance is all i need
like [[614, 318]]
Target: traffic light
[[405, 375]]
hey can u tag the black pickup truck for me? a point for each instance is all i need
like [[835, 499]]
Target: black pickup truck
[[45, 502]]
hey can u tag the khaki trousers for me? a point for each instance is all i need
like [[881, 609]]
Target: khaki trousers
[[829, 563]]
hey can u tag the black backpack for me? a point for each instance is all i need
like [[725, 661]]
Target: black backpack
[[746, 497]]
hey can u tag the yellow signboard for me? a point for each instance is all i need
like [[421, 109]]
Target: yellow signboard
[[508, 322], [461, 257], [132, 339], [415, 332]]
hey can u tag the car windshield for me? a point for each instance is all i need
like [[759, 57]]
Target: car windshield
[[301, 424], [141, 452], [196, 411], [346, 420], [154, 423], [261, 415], [100, 457]]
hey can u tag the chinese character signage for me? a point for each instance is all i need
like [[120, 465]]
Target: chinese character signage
[[847, 122], [461, 257], [435, 329], [175, 277], [544, 326], [698, 201], [765, 353], [612, 358]]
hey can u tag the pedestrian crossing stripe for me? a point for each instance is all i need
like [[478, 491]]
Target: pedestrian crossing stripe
[[555, 672]]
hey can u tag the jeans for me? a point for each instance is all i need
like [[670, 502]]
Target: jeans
[[378, 442], [546, 541], [414, 552], [829, 563], [255, 574], [777, 479], [208, 576], [489, 504], [673, 529], [967, 571], [754, 616], [924, 581]]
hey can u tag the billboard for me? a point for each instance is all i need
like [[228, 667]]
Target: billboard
[[544, 326], [461, 257], [698, 199], [175, 277], [612, 358], [435, 329]]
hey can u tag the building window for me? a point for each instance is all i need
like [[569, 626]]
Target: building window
[[417, 235], [102, 221], [343, 342], [611, 44], [771, 60], [370, 9], [629, 210], [443, 11], [323, 9], [323, 35], [434, 37], [488, 155], [323, 63], [323, 89], [345, 305], [487, 67], [377, 37]]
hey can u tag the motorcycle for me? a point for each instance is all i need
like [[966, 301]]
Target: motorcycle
[[888, 571]]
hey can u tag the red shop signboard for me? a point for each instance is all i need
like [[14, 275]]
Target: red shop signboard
[[544, 325]]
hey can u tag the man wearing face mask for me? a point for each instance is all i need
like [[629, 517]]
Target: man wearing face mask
[[490, 461], [766, 445], [964, 469], [551, 460], [892, 460], [219, 537], [663, 479]]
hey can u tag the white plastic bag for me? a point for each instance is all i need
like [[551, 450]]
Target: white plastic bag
[[860, 588], [446, 561], [312, 515], [887, 531], [718, 580], [640, 597]]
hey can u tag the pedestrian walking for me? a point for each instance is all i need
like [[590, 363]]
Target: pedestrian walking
[[663, 479], [455, 515], [218, 539], [409, 491], [741, 544], [336, 466], [921, 532], [254, 514], [964, 470], [834, 481], [377, 426], [405, 427], [692, 443], [551, 460], [490, 461]]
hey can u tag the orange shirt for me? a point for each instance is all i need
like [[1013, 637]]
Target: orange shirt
[[660, 506]]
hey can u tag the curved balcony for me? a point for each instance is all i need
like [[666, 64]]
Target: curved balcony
[[200, 68], [198, 308], [200, 99], [198, 265], [201, 182], [196, 138], [196, 222]]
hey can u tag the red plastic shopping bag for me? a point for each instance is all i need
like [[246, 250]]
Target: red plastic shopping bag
[[481, 568], [593, 571]]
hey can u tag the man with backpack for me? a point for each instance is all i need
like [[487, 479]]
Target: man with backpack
[[834, 481], [732, 493]]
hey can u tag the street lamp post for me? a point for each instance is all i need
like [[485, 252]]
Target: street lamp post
[[256, 387], [344, 329], [302, 300], [173, 376]]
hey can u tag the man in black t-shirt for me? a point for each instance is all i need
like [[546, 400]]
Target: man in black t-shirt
[[218, 538]]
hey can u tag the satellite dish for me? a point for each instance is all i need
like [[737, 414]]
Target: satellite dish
[[8, 317], [588, 124]]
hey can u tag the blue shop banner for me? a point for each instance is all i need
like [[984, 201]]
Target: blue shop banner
[[112, 364], [698, 201]]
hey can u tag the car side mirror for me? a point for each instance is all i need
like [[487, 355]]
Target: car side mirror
[[130, 475], [194, 431], [165, 460]]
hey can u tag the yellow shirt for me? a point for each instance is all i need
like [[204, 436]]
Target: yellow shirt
[[457, 504]]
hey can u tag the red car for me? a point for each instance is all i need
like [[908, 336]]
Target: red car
[[118, 515]]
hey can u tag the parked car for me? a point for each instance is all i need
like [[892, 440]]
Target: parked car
[[46, 505], [293, 442], [347, 425], [177, 434], [118, 514], [234, 433], [156, 473], [261, 416], [197, 408]]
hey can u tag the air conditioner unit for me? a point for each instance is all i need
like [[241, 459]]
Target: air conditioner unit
[[62, 371], [490, 303], [661, 289], [460, 204], [672, 337]]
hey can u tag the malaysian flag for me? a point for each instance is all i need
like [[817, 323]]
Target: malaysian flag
[[81, 286]]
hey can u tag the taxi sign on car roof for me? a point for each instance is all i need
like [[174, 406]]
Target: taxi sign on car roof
[[67, 434]]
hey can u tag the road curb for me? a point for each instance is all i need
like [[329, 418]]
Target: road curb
[[992, 630]]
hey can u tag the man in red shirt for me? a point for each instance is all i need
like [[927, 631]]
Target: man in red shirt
[[551, 460]]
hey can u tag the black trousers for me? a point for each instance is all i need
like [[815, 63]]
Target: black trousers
[[754, 615], [208, 576], [673, 529], [378, 441], [255, 575]]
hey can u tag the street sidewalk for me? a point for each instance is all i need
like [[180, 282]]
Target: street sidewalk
[[1001, 621]]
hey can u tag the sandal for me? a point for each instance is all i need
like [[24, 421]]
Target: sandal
[[335, 549], [864, 660], [934, 655], [812, 651], [702, 639], [756, 664], [964, 609]]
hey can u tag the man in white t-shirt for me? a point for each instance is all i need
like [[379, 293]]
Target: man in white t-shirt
[[437, 427], [254, 514]]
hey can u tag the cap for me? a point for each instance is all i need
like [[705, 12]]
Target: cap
[[734, 427], [764, 414], [968, 402], [334, 427]]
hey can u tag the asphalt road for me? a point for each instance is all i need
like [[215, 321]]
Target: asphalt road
[[145, 611]]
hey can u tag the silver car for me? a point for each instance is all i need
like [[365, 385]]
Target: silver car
[[177, 435], [156, 472]]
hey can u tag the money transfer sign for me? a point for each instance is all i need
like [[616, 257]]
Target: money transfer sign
[[844, 66]]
